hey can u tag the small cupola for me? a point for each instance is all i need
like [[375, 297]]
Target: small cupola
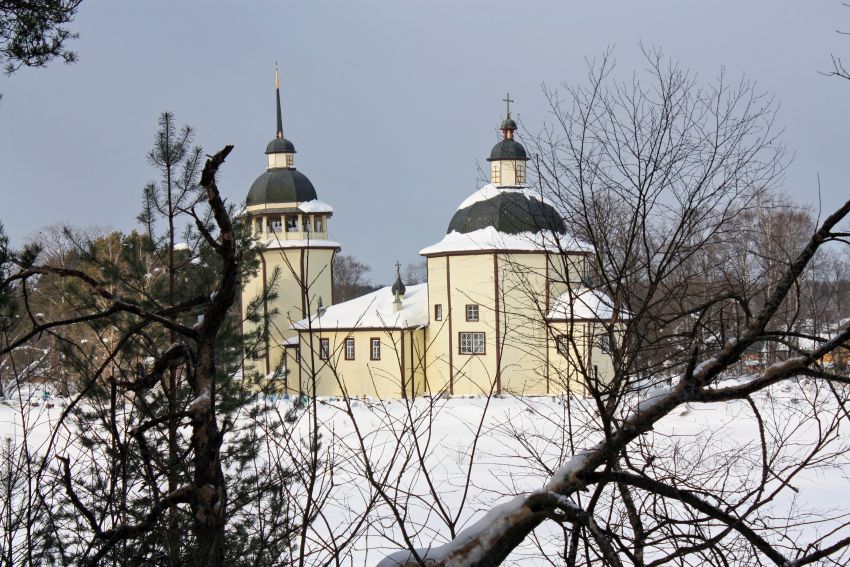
[[507, 158], [398, 289], [281, 152]]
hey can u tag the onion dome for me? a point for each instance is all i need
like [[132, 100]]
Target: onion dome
[[398, 288], [508, 211]]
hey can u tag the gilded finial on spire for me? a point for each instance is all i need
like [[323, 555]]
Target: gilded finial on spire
[[279, 134]]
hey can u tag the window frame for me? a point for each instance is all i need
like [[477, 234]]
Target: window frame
[[372, 342], [472, 351], [349, 341], [562, 345], [520, 173], [496, 173], [438, 312], [605, 343], [476, 308], [324, 349]]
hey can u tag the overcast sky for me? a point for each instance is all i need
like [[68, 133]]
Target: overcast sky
[[390, 104]]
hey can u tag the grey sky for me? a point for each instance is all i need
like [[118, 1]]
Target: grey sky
[[389, 103]]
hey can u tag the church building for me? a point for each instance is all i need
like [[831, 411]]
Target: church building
[[504, 309]]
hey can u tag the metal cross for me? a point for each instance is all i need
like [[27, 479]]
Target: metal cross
[[508, 100], [397, 267]]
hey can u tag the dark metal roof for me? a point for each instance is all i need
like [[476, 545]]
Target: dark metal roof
[[279, 146], [281, 185], [508, 124], [508, 149], [509, 212]]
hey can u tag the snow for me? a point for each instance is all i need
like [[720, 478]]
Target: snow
[[582, 303], [490, 191], [489, 526], [315, 206], [274, 243], [181, 246], [521, 439], [374, 310], [491, 239]]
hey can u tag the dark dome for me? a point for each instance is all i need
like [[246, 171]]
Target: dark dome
[[508, 149], [281, 185], [398, 287], [510, 212], [508, 124], [280, 145]]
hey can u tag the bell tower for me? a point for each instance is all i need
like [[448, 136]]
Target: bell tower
[[290, 224]]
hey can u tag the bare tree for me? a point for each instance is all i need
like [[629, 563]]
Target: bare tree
[[349, 278], [658, 176]]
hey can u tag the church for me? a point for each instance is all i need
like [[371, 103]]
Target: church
[[504, 310]]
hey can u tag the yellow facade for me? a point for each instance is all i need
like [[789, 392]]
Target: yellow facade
[[338, 370], [513, 291], [297, 266]]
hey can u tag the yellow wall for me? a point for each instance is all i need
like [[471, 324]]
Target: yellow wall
[[520, 364], [297, 269], [362, 376], [581, 361], [504, 172]]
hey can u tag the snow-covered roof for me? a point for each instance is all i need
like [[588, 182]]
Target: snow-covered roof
[[582, 303], [315, 206], [273, 243], [374, 310], [490, 191], [491, 239]]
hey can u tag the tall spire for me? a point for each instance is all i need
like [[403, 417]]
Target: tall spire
[[279, 134]]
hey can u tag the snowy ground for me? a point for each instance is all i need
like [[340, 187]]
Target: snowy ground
[[506, 446]]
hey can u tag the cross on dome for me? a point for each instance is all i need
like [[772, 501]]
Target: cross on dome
[[508, 125], [508, 100]]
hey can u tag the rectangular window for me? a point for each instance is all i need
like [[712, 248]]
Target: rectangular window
[[297, 354], [563, 344], [290, 160], [605, 343], [319, 224], [306, 221], [472, 312], [324, 349], [349, 349], [495, 173], [471, 343], [375, 349], [520, 173], [438, 312]]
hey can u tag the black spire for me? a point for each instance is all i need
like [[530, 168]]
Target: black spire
[[279, 134]]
